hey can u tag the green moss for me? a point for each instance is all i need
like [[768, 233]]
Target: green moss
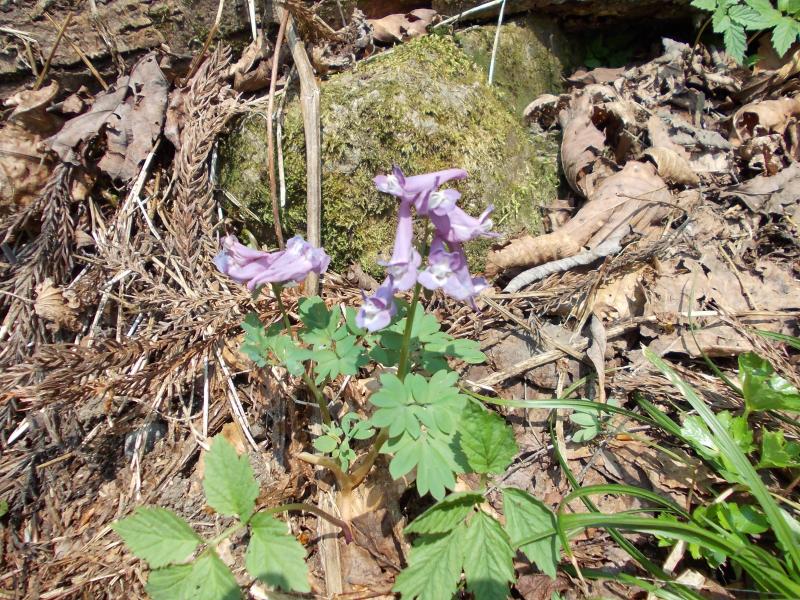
[[424, 106], [531, 55]]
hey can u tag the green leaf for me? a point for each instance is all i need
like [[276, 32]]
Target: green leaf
[[709, 5], [739, 429], [171, 583], [488, 562], [735, 41], [444, 516], [158, 536], [229, 484], [276, 557], [434, 567], [433, 458], [325, 444], [743, 15], [320, 323], [777, 452], [527, 517], [762, 388], [206, 579], [347, 358], [3, 508], [289, 354], [256, 341], [720, 21], [395, 407], [784, 35], [486, 440]]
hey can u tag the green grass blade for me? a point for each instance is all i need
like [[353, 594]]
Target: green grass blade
[[789, 340], [739, 461], [627, 490]]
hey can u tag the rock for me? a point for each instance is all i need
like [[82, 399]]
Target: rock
[[531, 56], [150, 433], [424, 106]]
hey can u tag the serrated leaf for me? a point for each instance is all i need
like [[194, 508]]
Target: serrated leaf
[[488, 564], [735, 41], [434, 567], [158, 536], [446, 514], [486, 440], [720, 21], [784, 35], [206, 579], [743, 15], [228, 482], [709, 5], [276, 557], [526, 517], [170, 583], [777, 452]]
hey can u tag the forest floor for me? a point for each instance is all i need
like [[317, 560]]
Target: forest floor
[[678, 232]]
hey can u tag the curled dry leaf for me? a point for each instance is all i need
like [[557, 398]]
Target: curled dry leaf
[[635, 197], [673, 167], [394, 28], [760, 118], [51, 305], [131, 114], [30, 110], [583, 142]]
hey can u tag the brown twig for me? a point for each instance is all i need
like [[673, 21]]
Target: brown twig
[[46, 67], [273, 186], [309, 105]]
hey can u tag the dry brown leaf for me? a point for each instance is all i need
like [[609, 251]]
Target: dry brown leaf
[[770, 195], [635, 197], [673, 167], [389, 29], [761, 118], [131, 113], [51, 305], [24, 168], [582, 144], [30, 110]]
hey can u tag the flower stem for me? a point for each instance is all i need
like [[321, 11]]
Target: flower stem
[[358, 475], [318, 396], [309, 508], [405, 349]]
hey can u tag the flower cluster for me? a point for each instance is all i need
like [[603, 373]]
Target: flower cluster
[[255, 267], [447, 264]]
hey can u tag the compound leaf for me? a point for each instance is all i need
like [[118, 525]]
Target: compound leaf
[[206, 579]]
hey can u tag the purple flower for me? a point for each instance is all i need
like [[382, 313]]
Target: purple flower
[[449, 271], [255, 267], [377, 310], [405, 258], [456, 226], [397, 184]]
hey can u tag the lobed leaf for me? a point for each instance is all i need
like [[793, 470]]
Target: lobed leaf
[[445, 515], [488, 562], [434, 567], [206, 579]]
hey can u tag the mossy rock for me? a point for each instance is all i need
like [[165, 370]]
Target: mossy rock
[[424, 106], [532, 54]]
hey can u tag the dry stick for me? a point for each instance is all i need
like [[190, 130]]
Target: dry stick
[[198, 59], [309, 105], [273, 187], [496, 41], [81, 54], [46, 67]]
